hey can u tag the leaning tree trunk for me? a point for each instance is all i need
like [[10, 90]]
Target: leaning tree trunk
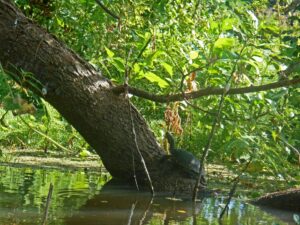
[[83, 96]]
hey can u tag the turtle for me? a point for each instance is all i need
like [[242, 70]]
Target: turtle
[[186, 160]]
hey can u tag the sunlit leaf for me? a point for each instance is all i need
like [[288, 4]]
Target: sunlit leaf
[[274, 135], [136, 68], [224, 43], [213, 24], [194, 54], [156, 79], [109, 53], [168, 68], [60, 22], [150, 59], [84, 153], [229, 23], [272, 29]]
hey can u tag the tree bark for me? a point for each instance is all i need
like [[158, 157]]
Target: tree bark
[[84, 97]]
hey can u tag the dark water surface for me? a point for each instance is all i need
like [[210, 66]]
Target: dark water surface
[[81, 197]]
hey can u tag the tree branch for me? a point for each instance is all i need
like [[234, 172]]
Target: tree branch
[[107, 10], [203, 92]]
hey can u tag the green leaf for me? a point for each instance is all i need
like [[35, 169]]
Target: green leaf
[[84, 153], [119, 64], [168, 68], [213, 25], [270, 28], [224, 43], [109, 53], [194, 55], [60, 22], [274, 135], [139, 75], [136, 68], [251, 63], [150, 59], [229, 23], [156, 79]]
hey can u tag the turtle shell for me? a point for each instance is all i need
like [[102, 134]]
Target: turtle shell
[[186, 160]]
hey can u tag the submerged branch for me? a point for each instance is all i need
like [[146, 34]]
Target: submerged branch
[[233, 189]]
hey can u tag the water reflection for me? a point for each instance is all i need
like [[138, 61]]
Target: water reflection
[[121, 204], [118, 204], [23, 193], [86, 198]]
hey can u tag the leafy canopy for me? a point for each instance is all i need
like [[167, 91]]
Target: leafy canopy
[[162, 43]]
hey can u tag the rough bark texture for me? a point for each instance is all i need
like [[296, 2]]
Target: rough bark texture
[[83, 96], [286, 200]]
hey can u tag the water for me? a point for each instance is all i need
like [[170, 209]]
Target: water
[[82, 197]]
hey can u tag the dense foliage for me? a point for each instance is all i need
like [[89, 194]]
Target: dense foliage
[[174, 46]]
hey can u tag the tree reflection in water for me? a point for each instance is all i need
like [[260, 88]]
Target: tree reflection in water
[[82, 197], [120, 204]]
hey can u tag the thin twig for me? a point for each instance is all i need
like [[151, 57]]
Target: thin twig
[[139, 55], [2, 122], [142, 50], [132, 155], [207, 147], [45, 136], [140, 154], [184, 75], [290, 146], [233, 189], [48, 204], [180, 70], [199, 108], [213, 129], [131, 213], [141, 222], [107, 10], [126, 81]]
